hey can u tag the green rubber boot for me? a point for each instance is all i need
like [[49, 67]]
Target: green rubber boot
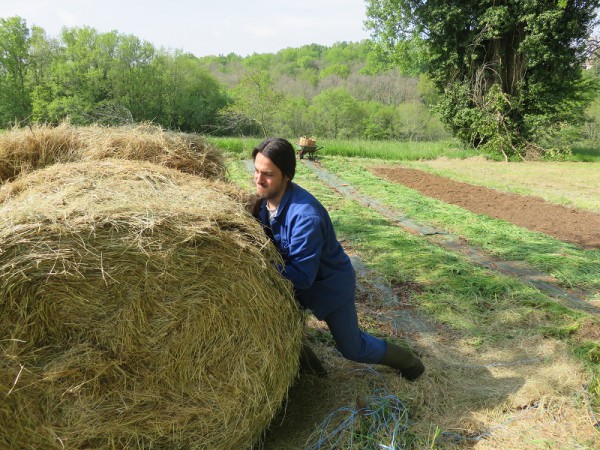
[[401, 359], [309, 362]]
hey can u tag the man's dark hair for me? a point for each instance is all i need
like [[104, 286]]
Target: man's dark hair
[[281, 152]]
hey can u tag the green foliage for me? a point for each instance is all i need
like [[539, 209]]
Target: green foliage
[[505, 72], [14, 67], [340, 70], [364, 89], [255, 103], [336, 114], [407, 121], [109, 78], [193, 97], [293, 118]]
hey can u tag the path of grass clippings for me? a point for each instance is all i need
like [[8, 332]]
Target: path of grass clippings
[[572, 266]]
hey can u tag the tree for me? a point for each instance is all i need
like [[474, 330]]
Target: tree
[[255, 103], [336, 114], [132, 78], [77, 80], [506, 69], [14, 66], [340, 70], [194, 95]]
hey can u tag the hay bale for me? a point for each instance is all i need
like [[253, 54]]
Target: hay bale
[[139, 307], [25, 149]]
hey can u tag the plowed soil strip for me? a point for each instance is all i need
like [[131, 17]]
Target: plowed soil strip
[[571, 225], [539, 280]]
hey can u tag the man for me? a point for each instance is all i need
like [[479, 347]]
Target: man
[[314, 261]]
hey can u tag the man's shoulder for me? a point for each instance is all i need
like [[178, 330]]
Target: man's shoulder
[[302, 200]]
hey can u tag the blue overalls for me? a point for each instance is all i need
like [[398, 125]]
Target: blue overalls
[[321, 272]]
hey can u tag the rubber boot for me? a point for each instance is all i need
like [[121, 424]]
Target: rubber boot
[[401, 359], [309, 362]]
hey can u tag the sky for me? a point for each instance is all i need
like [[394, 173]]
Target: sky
[[204, 27]]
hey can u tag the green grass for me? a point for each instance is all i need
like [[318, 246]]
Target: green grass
[[572, 266], [387, 150], [395, 150], [240, 146], [458, 293], [238, 172], [588, 151], [481, 309]]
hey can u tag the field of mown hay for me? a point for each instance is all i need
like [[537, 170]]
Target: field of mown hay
[[139, 305]]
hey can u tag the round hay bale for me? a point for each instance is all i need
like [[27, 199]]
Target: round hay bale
[[139, 307], [25, 149]]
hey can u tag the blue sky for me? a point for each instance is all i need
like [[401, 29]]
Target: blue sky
[[204, 27]]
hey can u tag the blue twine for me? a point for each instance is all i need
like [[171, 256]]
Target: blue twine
[[384, 414]]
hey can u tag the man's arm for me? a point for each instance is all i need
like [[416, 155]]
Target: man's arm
[[302, 257]]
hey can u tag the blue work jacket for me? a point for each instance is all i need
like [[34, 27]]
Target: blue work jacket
[[314, 260]]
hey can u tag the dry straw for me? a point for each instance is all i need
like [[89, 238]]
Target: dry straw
[[26, 149], [139, 308]]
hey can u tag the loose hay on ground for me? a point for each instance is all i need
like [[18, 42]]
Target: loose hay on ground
[[25, 149], [139, 307], [521, 395]]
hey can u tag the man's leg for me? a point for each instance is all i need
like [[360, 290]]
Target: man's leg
[[309, 361], [356, 345], [351, 341]]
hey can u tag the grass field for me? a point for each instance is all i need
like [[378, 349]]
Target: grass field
[[396, 150], [508, 366]]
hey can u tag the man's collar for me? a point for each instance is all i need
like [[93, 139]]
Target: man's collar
[[286, 197], [282, 204]]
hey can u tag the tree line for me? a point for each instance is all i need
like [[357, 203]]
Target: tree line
[[385, 88], [92, 77]]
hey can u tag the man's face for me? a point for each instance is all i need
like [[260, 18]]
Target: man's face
[[270, 181]]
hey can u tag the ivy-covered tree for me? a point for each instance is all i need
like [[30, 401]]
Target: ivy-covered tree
[[508, 70]]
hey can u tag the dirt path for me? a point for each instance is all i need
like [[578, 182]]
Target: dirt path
[[576, 226]]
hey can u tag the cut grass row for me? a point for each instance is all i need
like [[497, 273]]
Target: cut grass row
[[486, 308]]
